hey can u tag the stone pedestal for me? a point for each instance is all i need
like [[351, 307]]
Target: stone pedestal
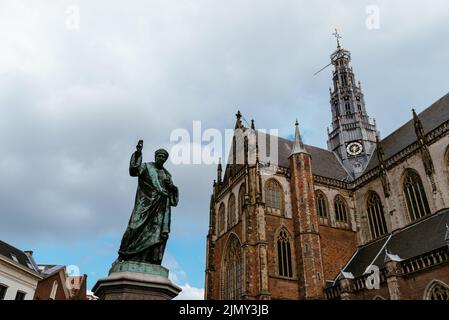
[[130, 280]]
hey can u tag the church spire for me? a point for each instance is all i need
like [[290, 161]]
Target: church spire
[[353, 134], [298, 146]]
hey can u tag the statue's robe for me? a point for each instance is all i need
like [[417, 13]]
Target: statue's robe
[[150, 218]]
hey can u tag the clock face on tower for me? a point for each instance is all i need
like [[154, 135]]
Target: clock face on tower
[[354, 148]]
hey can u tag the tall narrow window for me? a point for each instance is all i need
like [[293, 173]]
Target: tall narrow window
[[241, 198], [231, 211], [54, 290], [3, 290], [376, 215], [341, 209], [348, 108], [284, 255], [221, 218], [415, 196], [232, 273], [273, 194], [321, 204], [438, 291]]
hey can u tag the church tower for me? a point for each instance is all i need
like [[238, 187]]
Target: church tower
[[353, 136]]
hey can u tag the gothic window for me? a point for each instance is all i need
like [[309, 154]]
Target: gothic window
[[221, 218], [337, 110], [359, 107], [231, 211], [347, 108], [321, 204], [438, 291], [232, 271], [273, 195], [341, 209], [284, 255], [241, 198], [376, 215], [415, 196]]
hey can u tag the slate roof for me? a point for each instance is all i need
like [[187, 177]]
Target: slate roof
[[324, 163], [9, 252], [414, 240], [431, 118]]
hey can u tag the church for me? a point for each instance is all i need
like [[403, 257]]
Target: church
[[368, 218]]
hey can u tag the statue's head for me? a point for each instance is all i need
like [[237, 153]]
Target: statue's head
[[160, 156]]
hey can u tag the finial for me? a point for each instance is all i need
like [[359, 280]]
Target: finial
[[219, 171], [337, 36], [298, 146], [238, 115], [238, 123]]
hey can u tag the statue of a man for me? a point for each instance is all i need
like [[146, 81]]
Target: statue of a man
[[148, 228]]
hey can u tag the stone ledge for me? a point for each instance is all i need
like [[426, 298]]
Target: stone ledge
[[135, 286]]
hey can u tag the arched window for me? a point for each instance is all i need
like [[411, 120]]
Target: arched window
[[232, 271], [321, 204], [231, 211], [221, 218], [415, 196], [376, 216], [274, 195], [284, 255], [437, 291], [341, 209], [241, 198]]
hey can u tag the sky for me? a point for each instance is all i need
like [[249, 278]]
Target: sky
[[82, 81]]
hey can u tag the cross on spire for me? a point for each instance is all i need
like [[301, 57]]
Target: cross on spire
[[337, 36]]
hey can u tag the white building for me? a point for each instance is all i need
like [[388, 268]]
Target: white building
[[19, 274]]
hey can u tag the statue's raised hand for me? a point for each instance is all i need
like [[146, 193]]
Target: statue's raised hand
[[139, 147]]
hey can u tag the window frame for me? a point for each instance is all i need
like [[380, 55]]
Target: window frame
[[284, 254], [415, 196], [376, 215]]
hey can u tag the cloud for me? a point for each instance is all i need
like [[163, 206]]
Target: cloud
[[190, 293]]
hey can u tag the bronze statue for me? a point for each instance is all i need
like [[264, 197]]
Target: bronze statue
[[148, 228]]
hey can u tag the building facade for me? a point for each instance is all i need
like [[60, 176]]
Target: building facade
[[19, 274], [22, 279], [366, 219]]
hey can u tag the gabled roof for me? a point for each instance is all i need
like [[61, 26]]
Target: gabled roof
[[13, 253], [414, 240], [431, 118]]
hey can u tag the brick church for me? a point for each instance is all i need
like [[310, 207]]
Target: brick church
[[368, 218]]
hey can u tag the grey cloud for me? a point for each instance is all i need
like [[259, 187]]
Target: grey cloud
[[74, 103]]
